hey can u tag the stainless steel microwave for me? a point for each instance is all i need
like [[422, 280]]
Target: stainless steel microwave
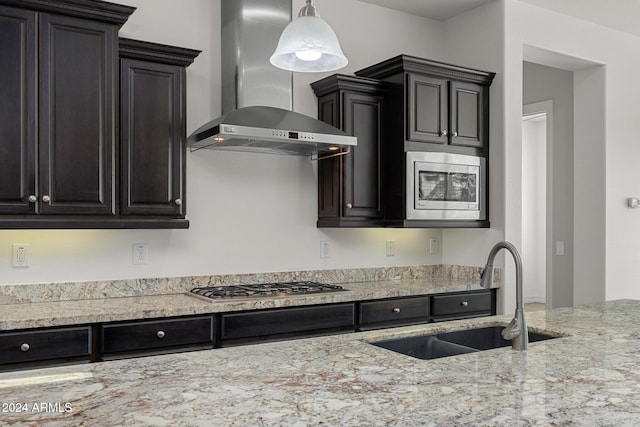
[[445, 186]]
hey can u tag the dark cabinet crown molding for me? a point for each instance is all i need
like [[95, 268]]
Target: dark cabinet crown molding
[[407, 63], [156, 52], [89, 9], [345, 82]]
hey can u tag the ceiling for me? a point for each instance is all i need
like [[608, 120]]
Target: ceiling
[[440, 10], [622, 15]]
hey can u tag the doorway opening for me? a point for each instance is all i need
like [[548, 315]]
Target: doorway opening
[[537, 140]]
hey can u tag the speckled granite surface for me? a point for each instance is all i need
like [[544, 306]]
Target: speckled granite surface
[[71, 291], [59, 313], [589, 378], [59, 304]]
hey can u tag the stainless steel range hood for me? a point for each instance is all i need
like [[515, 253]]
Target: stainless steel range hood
[[256, 96]]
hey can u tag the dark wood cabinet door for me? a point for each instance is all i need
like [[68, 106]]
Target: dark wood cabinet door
[[362, 167], [427, 109], [469, 105], [76, 112], [17, 110], [152, 138]]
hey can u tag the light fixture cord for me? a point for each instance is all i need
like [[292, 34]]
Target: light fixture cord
[[308, 10]]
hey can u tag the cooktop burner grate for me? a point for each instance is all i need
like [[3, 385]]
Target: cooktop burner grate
[[265, 289]]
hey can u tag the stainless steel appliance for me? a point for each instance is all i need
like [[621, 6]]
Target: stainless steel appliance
[[445, 186], [264, 289], [257, 98]]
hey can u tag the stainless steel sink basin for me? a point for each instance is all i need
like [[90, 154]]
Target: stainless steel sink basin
[[453, 343]]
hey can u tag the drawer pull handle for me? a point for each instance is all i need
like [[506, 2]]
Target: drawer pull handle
[[160, 334], [25, 347], [396, 309], [464, 304]]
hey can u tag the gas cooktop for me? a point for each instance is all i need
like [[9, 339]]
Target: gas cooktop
[[264, 289]]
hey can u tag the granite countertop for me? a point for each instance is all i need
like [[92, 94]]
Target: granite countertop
[[25, 315], [589, 377]]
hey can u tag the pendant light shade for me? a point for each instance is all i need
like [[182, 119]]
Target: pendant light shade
[[308, 44]]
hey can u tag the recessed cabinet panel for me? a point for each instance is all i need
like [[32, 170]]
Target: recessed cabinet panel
[[17, 110], [427, 109], [265, 323], [468, 114], [362, 186], [152, 142], [77, 104]]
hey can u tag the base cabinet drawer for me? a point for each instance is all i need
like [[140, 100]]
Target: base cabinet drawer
[[268, 323], [156, 334], [393, 312], [460, 305], [32, 346]]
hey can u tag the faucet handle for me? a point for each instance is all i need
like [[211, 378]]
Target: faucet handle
[[512, 330]]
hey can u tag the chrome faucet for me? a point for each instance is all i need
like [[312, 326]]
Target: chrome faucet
[[516, 331]]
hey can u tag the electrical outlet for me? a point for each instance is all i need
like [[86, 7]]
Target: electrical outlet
[[140, 253], [20, 255], [560, 247], [325, 249], [391, 248], [433, 246]]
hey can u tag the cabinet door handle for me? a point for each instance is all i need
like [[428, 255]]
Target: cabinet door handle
[[32, 199], [396, 309], [464, 303], [25, 347], [454, 134], [46, 199], [349, 205], [178, 202], [443, 133], [160, 334]]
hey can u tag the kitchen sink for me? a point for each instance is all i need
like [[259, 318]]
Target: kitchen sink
[[453, 343]]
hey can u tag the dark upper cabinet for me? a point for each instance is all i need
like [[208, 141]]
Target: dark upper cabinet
[[58, 109], [444, 112], [442, 105], [350, 186], [153, 128], [87, 139]]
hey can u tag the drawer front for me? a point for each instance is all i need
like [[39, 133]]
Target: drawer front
[[461, 304], [156, 334], [18, 347], [289, 320], [394, 311]]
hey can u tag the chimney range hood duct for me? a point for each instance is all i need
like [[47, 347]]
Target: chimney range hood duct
[[256, 96]]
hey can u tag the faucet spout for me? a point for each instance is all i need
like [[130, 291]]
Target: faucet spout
[[516, 331]]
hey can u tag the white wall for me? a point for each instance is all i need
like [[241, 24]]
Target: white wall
[[248, 212], [606, 245]]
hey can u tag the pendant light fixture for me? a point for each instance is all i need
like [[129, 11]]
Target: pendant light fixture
[[308, 44]]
